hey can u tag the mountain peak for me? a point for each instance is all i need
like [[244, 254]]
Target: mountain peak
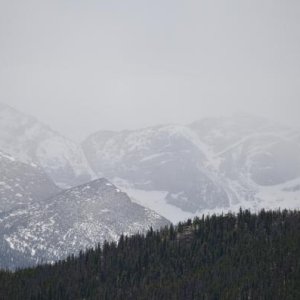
[[75, 219], [30, 141]]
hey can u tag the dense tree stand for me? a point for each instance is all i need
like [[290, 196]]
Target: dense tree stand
[[243, 256]]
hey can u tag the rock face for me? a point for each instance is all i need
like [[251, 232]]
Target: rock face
[[73, 220], [166, 158], [29, 141], [21, 184], [214, 164], [22, 187]]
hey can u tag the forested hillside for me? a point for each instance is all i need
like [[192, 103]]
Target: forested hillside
[[243, 256]]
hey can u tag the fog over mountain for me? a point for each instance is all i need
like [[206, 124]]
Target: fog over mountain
[[101, 65], [169, 172], [22, 184], [33, 142], [50, 207], [215, 164], [120, 115]]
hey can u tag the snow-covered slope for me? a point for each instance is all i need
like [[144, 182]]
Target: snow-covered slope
[[212, 165], [75, 219], [165, 158], [21, 184], [30, 141], [252, 149]]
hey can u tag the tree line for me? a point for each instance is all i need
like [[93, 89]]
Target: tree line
[[230, 256]]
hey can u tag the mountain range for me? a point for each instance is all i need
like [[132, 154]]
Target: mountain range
[[51, 206], [212, 165], [54, 204]]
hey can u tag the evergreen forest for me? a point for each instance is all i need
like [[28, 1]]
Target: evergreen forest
[[230, 256]]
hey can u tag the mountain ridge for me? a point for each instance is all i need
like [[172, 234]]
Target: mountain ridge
[[30, 141], [236, 158], [72, 220]]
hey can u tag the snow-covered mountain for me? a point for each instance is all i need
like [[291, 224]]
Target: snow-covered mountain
[[21, 184], [265, 152], [73, 220], [30, 141], [212, 165], [165, 158], [40, 222]]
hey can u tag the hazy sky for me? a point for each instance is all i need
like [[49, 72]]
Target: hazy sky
[[84, 65]]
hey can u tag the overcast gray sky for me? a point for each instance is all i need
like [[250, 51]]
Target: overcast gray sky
[[84, 65]]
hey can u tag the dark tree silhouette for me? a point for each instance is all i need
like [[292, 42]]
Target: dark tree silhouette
[[243, 256]]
